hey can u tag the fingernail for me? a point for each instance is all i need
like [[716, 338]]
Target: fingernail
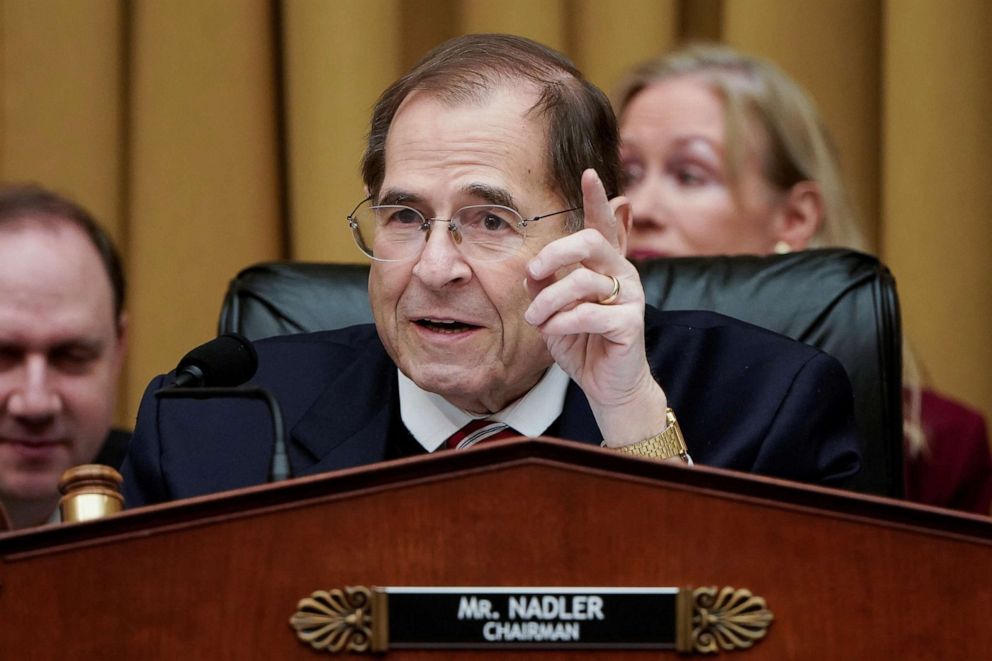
[[534, 267]]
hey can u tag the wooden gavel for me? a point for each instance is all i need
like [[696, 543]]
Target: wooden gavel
[[90, 491]]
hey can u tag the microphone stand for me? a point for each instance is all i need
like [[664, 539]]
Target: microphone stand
[[279, 466]]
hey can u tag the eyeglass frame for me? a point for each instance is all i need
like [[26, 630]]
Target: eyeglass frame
[[428, 223]]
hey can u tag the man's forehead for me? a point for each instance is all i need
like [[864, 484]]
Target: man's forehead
[[54, 232], [428, 109], [496, 131], [53, 267], [50, 234]]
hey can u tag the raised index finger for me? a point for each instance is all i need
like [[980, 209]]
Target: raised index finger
[[596, 208]]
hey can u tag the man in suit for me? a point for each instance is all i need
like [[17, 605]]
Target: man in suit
[[501, 294], [62, 339]]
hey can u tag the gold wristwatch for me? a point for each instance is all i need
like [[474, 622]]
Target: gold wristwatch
[[669, 443]]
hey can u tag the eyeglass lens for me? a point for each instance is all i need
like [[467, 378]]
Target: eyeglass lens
[[393, 233]]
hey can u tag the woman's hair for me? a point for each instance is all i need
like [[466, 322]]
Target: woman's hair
[[753, 90]]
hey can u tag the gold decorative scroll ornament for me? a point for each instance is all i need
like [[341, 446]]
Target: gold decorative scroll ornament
[[709, 621], [336, 620]]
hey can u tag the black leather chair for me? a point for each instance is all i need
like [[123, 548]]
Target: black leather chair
[[840, 301]]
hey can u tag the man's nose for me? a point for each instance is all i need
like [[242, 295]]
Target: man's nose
[[34, 396], [441, 261]]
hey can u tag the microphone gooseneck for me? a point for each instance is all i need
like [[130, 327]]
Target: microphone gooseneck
[[215, 370]]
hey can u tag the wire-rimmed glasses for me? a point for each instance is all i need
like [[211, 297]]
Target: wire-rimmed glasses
[[483, 232]]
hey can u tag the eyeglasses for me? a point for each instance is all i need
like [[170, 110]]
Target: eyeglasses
[[482, 232]]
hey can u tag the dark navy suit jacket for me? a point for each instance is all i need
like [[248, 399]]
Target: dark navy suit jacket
[[746, 399]]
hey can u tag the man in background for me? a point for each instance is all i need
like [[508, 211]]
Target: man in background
[[62, 341]]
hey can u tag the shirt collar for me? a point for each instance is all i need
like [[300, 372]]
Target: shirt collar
[[431, 418]]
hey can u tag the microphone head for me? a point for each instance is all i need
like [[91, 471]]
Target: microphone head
[[224, 362]]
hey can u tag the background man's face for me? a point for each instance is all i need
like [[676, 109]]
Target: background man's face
[[440, 158], [60, 355]]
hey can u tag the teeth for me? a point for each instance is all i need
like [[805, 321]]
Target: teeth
[[445, 325]]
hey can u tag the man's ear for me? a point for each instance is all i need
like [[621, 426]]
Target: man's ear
[[800, 215], [625, 218]]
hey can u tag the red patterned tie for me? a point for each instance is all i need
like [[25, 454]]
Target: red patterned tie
[[478, 431]]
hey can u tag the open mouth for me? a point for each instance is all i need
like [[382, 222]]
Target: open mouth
[[445, 325]]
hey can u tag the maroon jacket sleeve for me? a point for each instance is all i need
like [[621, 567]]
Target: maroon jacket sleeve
[[955, 469]]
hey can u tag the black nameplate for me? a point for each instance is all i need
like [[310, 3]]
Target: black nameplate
[[531, 617]]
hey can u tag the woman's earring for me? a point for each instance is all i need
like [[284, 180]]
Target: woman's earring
[[782, 248]]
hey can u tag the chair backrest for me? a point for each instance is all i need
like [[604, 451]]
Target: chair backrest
[[840, 301]]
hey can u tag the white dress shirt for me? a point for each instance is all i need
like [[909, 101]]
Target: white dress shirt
[[431, 418]]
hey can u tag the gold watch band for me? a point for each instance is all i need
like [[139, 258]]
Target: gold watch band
[[665, 445]]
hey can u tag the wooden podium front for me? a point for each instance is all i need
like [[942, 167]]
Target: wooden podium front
[[218, 577]]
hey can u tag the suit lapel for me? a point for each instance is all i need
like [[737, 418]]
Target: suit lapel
[[348, 424]]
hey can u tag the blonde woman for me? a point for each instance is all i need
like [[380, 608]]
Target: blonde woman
[[724, 154]]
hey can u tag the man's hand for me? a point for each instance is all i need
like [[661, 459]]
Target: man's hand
[[600, 345]]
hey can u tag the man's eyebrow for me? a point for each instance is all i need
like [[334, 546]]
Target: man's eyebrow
[[94, 346], [393, 196], [491, 194], [11, 346], [87, 345]]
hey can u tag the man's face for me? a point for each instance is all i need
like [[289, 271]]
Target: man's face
[[60, 355], [440, 158]]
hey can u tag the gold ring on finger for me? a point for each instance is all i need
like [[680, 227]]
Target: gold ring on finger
[[615, 294]]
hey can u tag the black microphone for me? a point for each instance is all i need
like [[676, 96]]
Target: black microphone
[[215, 369], [224, 362]]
